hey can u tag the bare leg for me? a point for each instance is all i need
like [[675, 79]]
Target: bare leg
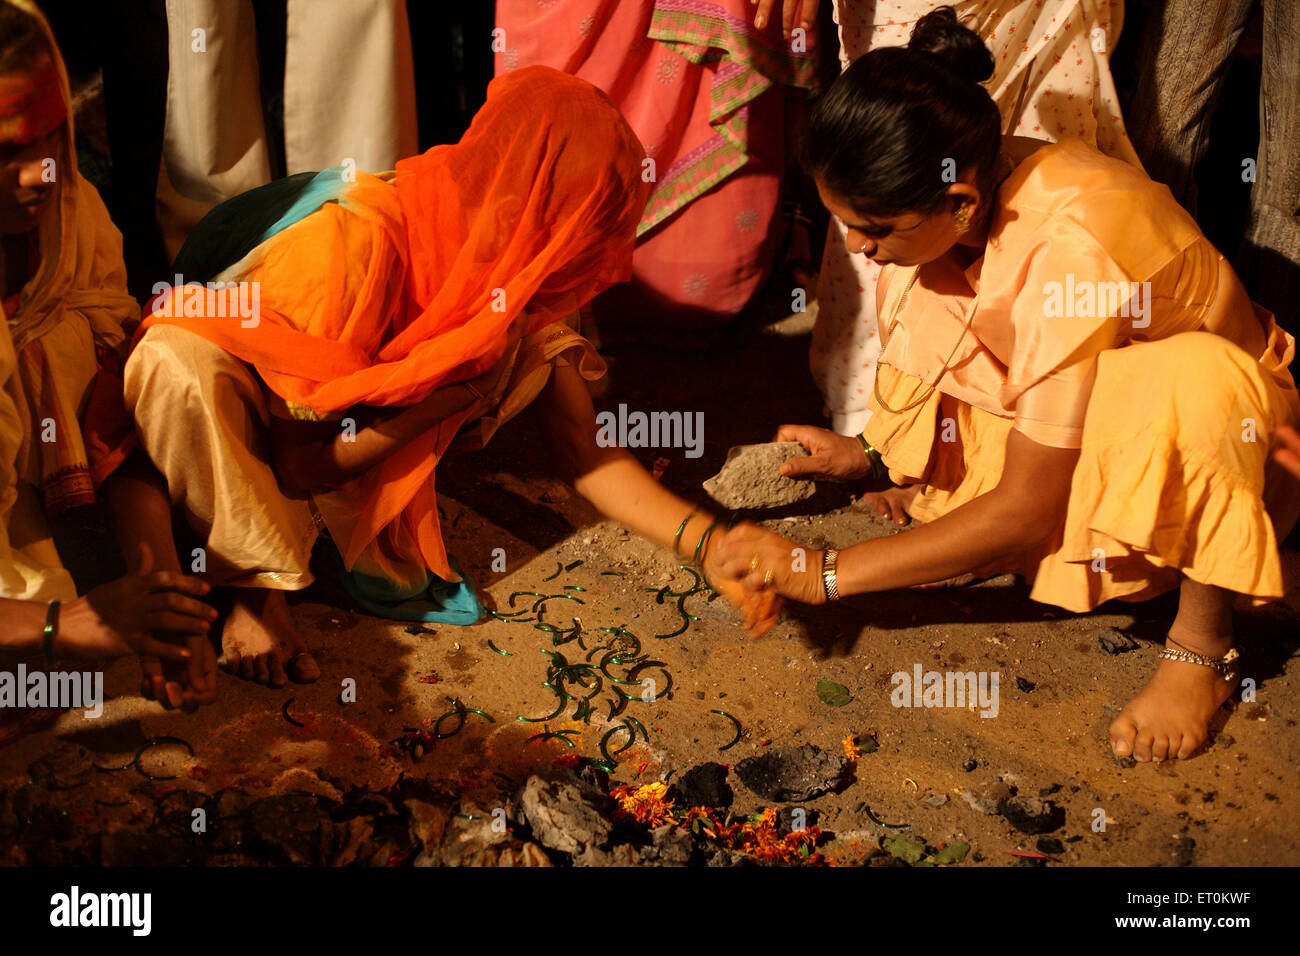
[[1171, 716], [261, 643]]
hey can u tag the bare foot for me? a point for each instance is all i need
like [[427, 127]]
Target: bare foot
[[1171, 716], [260, 642], [892, 503]]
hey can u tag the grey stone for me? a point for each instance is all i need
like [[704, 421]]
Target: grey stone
[[988, 798], [1112, 641], [1050, 845], [791, 774], [671, 846], [1026, 814], [751, 477], [704, 786], [1031, 815], [565, 815], [293, 828]]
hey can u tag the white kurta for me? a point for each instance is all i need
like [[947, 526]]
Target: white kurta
[[349, 97]]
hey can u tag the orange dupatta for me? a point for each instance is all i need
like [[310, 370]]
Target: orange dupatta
[[391, 293]]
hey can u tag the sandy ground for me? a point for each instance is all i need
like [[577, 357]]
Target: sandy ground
[[1228, 806]]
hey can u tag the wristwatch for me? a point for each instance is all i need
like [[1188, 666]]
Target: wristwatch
[[829, 557]]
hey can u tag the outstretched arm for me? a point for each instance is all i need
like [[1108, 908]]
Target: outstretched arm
[[1024, 509], [616, 484]]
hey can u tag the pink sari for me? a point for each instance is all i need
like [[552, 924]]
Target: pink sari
[[703, 90]]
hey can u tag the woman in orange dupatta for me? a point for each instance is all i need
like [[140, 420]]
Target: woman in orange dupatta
[[377, 316]]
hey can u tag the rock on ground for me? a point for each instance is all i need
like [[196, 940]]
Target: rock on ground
[[791, 774], [1026, 814], [565, 815], [704, 786], [751, 477]]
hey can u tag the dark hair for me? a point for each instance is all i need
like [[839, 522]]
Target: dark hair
[[880, 135], [22, 40]]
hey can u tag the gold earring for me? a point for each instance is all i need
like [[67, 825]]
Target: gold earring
[[961, 219]]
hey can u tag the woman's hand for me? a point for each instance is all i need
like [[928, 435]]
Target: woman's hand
[[761, 608], [310, 455], [805, 11], [764, 562], [182, 685], [831, 457], [122, 616]]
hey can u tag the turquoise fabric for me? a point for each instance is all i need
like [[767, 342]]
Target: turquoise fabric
[[326, 186], [442, 602]]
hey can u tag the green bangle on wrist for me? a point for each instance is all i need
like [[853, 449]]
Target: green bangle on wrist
[[877, 462], [50, 632], [697, 560], [677, 538]]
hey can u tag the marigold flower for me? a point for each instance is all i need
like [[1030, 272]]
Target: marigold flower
[[648, 804]]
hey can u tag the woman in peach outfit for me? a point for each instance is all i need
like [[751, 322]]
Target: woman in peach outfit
[[1051, 79], [1074, 385]]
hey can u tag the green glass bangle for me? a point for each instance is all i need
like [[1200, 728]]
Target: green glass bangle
[[877, 462], [677, 538], [51, 629], [695, 559]]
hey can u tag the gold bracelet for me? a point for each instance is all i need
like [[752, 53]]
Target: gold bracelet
[[829, 559]]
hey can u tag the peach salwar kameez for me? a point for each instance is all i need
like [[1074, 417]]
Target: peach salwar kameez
[[1172, 398], [1051, 79]]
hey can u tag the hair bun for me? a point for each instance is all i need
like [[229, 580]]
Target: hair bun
[[939, 32]]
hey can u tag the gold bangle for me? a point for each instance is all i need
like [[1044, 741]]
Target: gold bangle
[[830, 558]]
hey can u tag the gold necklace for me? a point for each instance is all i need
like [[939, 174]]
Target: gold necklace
[[893, 324], [1006, 168]]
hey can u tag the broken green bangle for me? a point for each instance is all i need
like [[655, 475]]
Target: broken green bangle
[[736, 739], [604, 741]]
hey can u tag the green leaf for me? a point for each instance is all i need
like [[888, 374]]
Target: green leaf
[[906, 848], [837, 695], [952, 853]]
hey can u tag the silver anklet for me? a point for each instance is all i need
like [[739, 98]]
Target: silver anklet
[[1220, 665]]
